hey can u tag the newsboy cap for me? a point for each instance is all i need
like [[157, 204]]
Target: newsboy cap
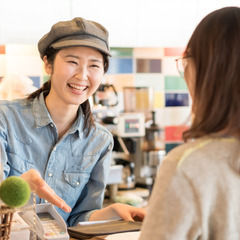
[[76, 32]]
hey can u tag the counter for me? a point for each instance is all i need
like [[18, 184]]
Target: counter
[[141, 192]]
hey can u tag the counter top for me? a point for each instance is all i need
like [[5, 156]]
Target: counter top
[[119, 236], [142, 192]]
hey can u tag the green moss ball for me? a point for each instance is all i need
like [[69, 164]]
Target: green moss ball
[[15, 191]]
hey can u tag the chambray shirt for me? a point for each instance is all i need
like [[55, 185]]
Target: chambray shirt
[[75, 166]]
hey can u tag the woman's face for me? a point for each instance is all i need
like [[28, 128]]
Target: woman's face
[[75, 75]]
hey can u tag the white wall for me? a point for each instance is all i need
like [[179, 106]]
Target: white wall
[[131, 23]]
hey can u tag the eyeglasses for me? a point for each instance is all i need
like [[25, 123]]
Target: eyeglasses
[[181, 65]]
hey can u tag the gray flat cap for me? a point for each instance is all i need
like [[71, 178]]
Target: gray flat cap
[[76, 32]]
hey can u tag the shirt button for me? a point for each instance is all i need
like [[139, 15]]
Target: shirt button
[[77, 183], [50, 174], [54, 149], [51, 125], [23, 169]]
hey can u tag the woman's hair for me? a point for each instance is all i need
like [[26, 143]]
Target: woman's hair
[[89, 119], [214, 48]]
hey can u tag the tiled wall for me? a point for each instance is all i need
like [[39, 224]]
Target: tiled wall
[[155, 68], [139, 67]]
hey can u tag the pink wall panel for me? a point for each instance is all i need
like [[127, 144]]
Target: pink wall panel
[[174, 133], [171, 52], [2, 49]]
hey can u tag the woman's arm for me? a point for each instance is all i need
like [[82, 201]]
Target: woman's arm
[[119, 211], [42, 189]]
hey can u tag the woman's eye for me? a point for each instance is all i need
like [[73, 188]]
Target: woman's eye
[[73, 62], [94, 65]]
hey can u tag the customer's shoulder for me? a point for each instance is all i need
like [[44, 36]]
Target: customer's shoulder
[[201, 149], [183, 150], [193, 144]]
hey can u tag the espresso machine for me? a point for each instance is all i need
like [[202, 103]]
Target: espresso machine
[[137, 146], [129, 130], [150, 146], [138, 140], [153, 150]]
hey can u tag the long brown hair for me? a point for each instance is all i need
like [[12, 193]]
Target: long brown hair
[[214, 48], [89, 118]]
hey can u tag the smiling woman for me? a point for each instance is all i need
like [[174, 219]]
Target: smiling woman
[[71, 168]]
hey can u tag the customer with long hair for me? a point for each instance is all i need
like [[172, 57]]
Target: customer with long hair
[[197, 191]]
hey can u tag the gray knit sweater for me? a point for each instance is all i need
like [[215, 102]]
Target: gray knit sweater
[[197, 193]]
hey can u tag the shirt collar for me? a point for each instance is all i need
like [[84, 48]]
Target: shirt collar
[[43, 118], [40, 112]]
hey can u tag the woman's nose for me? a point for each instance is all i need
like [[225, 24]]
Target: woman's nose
[[81, 73]]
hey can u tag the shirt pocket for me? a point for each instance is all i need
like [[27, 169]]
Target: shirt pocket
[[18, 166], [20, 148], [75, 182], [19, 153]]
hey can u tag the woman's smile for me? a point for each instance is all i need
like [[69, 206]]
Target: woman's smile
[[76, 88]]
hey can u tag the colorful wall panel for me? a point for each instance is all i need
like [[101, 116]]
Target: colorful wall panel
[[2, 49]]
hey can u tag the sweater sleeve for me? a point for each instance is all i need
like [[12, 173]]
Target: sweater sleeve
[[173, 207]]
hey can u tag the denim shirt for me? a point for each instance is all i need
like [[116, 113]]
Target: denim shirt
[[75, 166]]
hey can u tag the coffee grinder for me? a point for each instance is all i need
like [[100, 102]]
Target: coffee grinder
[[129, 130], [153, 150]]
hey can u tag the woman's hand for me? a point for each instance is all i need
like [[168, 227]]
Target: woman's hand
[[119, 211], [129, 213], [42, 189]]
